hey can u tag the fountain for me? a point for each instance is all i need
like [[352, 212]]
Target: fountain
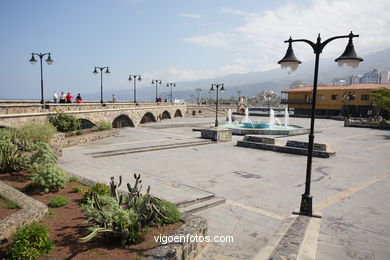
[[286, 117], [272, 127], [230, 116]]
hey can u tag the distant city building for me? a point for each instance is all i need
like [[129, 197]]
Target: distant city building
[[296, 84], [384, 77], [339, 82], [370, 77], [352, 79]]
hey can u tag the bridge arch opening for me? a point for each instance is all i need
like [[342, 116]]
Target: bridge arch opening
[[122, 121], [165, 115], [85, 124], [148, 117], [178, 113]]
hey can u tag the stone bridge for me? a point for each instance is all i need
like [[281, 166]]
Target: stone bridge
[[16, 113]]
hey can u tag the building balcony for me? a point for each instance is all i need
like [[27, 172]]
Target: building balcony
[[295, 101]]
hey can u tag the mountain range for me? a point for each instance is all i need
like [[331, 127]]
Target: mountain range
[[252, 83]]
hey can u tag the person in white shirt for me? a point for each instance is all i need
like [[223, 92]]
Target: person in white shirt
[[55, 97]]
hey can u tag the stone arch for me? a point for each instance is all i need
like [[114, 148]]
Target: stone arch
[[148, 117], [85, 123], [122, 121], [178, 113], [165, 115]]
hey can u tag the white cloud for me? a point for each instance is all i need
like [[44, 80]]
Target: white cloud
[[194, 16], [261, 35], [215, 40]]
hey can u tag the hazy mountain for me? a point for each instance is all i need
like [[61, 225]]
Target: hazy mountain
[[253, 82]]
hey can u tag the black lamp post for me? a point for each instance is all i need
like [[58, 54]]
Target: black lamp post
[[348, 58], [48, 61], [216, 102], [101, 79], [171, 85], [198, 90], [135, 77], [156, 81]]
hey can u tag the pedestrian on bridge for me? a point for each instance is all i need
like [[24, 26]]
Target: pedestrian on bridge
[[69, 98], [55, 97]]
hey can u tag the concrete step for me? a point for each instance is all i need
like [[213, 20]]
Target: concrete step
[[201, 205], [147, 148]]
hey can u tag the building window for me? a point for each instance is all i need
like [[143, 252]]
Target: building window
[[321, 97], [335, 97], [365, 97]]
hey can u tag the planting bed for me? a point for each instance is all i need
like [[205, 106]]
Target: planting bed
[[67, 224]]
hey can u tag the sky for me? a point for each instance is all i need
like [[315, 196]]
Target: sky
[[171, 40]]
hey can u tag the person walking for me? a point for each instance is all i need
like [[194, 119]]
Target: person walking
[[55, 97], [113, 98], [69, 98], [79, 100], [62, 97]]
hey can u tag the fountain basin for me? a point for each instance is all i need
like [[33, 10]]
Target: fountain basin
[[240, 129], [258, 125]]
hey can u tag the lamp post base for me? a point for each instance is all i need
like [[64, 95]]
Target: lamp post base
[[216, 123], [306, 205]]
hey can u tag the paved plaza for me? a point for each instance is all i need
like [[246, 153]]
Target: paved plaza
[[261, 188]]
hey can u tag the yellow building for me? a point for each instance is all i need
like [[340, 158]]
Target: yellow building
[[354, 100]]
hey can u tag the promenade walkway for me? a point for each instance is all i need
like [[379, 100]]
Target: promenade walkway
[[261, 188]]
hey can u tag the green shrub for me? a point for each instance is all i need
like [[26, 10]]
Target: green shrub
[[102, 125], [30, 242], [64, 122], [48, 178], [5, 134], [97, 188], [169, 211], [76, 188], [32, 133], [11, 159], [73, 178], [41, 153], [58, 201]]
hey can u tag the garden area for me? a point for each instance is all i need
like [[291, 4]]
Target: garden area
[[83, 221]]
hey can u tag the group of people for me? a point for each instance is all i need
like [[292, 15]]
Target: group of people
[[66, 98]]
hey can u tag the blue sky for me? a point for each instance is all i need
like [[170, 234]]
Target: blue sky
[[175, 40]]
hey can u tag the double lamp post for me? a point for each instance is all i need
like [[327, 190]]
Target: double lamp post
[[101, 79], [135, 77], [348, 58], [218, 87], [34, 61]]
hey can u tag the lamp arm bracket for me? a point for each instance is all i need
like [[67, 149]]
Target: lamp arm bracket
[[312, 44], [351, 35]]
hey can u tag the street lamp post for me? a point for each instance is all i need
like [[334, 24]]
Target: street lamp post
[[101, 79], [216, 103], [171, 85], [198, 90], [156, 81], [135, 77], [48, 61], [348, 58]]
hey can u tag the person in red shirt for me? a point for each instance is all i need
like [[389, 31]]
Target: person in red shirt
[[79, 100], [69, 98]]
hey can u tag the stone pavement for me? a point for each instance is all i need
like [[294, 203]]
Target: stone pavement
[[261, 188]]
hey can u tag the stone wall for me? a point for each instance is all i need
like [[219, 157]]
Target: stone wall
[[59, 139], [31, 210]]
